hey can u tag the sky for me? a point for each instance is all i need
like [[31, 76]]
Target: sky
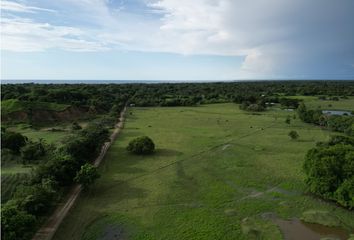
[[177, 39]]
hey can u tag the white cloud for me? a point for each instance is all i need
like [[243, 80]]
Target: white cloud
[[18, 7], [271, 35], [24, 35]]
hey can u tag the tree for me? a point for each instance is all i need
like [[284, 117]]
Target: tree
[[36, 199], [13, 141], [329, 172], [87, 175], [33, 151], [141, 145], [16, 224], [61, 167], [287, 120], [293, 135]]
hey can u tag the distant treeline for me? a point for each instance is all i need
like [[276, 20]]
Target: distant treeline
[[103, 97], [344, 124]]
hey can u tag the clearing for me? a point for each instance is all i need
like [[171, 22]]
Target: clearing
[[217, 170]]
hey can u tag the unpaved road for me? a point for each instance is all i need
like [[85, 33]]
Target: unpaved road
[[47, 231]]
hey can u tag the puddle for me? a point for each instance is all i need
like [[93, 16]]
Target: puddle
[[113, 232], [337, 112], [298, 230]]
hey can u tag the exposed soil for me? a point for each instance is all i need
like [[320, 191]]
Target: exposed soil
[[40, 116]]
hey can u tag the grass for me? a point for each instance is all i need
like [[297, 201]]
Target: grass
[[313, 102], [215, 171], [56, 137], [9, 182], [14, 105]]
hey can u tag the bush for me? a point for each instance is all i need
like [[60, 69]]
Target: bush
[[141, 145], [287, 120], [13, 141], [293, 135]]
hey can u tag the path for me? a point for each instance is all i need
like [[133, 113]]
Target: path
[[47, 231]]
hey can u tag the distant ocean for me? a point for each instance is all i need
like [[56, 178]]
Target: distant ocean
[[81, 81], [145, 81]]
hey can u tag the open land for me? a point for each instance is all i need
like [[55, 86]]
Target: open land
[[216, 173]]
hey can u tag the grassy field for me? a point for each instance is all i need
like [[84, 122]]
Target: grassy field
[[313, 102], [49, 136], [216, 172], [12, 174], [9, 182]]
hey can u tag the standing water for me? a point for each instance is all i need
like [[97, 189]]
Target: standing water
[[337, 112], [298, 230]]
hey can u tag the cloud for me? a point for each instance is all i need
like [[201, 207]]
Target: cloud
[[24, 35], [273, 36], [18, 7]]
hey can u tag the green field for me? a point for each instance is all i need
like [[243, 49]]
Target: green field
[[12, 174], [216, 170], [313, 102], [47, 134]]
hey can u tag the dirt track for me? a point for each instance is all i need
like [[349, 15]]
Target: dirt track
[[47, 231]]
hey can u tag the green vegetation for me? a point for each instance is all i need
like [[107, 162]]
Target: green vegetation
[[342, 123], [215, 171], [321, 217], [141, 146], [329, 170], [14, 105], [15, 223], [87, 175], [56, 169], [13, 141], [9, 182], [293, 135], [342, 104]]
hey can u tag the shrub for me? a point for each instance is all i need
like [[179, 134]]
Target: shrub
[[287, 120], [13, 141], [141, 145], [293, 135]]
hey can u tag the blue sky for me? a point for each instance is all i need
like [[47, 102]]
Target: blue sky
[[177, 39]]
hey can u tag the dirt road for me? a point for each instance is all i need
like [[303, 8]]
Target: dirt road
[[47, 231]]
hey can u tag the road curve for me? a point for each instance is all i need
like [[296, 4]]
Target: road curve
[[48, 229]]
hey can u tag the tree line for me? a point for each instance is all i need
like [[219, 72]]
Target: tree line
[[102, 97]]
